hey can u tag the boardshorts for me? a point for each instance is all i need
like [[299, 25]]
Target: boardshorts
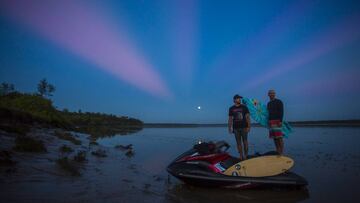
[[275, 129]]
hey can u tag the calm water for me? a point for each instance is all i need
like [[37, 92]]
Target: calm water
[[329, 158]]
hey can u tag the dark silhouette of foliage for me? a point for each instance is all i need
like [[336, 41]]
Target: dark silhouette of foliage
[[30, 109], [29, 144], [21, 110], [80, 156], [65, 149], [99, 153], [45, 89], [6, 88], [67, 136], [68, 166]]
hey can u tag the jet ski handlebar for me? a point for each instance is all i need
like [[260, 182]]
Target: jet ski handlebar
[[222, 146], [211, 147]]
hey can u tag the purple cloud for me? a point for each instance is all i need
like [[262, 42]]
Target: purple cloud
[[85, 30]]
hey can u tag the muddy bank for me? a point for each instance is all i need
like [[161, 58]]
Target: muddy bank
[[70, 165]]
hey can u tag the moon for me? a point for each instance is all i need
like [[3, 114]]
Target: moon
[[199, 107]]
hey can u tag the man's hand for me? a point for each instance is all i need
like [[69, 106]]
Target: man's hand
[[247, 130]]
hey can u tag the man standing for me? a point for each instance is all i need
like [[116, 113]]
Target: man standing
[[275, 108], [239, 124]]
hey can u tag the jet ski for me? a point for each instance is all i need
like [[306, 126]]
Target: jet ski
[[204, 164]]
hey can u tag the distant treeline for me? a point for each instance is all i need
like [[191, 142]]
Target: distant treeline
[[335, 123], [180, 125], [330, 123], [21, 111]]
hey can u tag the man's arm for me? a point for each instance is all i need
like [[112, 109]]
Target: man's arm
[[247, 117], [230, 120], [281, 110]]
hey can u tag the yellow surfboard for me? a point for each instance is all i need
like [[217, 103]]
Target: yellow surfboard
[[262, 166]]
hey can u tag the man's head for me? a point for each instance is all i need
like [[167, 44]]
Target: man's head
[[237, 99], [271, 94]]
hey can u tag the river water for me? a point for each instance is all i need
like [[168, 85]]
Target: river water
[[328, 157]]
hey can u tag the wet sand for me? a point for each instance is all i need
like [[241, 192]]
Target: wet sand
[[331, 165]]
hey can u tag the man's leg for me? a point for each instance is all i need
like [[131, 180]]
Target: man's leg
[[245, 142], [238, 142], [240, 151], [281, 145], [277, 145]]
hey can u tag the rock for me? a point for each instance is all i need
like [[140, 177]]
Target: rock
[[5, 158], [99, 153], [126, 147], [130, 153]]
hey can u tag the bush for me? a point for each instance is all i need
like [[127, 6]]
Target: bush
[[5, 158], [65, 149], [67, 136], [99, 153], [80, 156], [20, 129], [93, 143], [30, 108], [65, 164], [28, 144]]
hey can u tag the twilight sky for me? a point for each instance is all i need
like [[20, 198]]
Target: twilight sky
[[159, 60]]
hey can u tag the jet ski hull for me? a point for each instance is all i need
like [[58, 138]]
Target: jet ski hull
[[199, 169]]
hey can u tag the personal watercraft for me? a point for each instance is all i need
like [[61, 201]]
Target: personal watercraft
[[204, 164]]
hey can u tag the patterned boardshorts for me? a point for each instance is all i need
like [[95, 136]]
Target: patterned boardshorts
[[275, 129]]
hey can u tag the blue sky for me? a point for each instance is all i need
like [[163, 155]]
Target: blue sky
[[159, 60]]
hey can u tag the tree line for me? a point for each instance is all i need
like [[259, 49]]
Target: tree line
[[17, 107], [43, 88]]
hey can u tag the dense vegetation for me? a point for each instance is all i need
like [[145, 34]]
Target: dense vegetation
[[20, 111], [30, 109]]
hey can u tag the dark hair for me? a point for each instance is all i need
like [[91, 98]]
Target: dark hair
[[236, 96]]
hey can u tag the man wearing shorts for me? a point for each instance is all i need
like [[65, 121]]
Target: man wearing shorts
[[239, 125], [276, 113]]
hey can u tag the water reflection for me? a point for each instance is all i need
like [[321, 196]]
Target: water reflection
[[186, 193], [319, 156], [97, 132]]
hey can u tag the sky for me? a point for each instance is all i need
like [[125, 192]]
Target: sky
[[160, 60]]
